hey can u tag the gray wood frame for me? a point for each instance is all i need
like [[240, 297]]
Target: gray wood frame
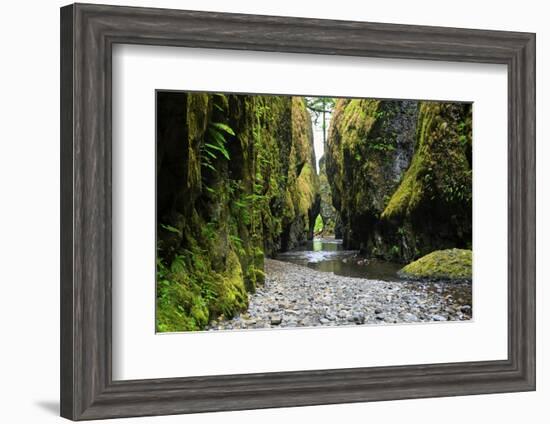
[[88, 33]]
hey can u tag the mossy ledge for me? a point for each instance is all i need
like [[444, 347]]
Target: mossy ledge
[[448, 265]]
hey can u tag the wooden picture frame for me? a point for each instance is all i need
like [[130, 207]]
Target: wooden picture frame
[[88, 33]]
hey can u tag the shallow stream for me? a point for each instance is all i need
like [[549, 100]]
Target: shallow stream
[[328, 255]]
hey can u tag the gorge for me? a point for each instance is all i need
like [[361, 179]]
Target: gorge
[[243, 206]]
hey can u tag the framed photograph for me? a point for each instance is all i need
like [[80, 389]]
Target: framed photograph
[[264, 212]]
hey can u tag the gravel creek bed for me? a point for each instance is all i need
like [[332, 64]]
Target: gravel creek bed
[[297, 296]]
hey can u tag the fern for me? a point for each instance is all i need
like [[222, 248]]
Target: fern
[[171, 229], [223, 127], [215, 144]]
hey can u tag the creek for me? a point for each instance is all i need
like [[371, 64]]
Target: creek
[[328, 255]]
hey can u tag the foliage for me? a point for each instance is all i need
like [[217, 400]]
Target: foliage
[[320, 107], [439, 171], [215, 144], [318, 225], [226, 204]]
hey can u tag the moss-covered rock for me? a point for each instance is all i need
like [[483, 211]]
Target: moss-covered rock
[[450, 264], [433, 203], [327, 212], [236, 181], [400, 173], [369, 147]]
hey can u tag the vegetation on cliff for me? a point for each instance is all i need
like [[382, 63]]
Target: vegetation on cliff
[[401, 176], [236, 181], [450, 264], [369, 147], [328, 215]]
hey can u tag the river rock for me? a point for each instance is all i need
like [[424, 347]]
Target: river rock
[[408, 317], [276, 319], [438, 318], [466, 309], [343, 313], [362, 301]]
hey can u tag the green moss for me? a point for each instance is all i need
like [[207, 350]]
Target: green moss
[[216, 223], [231, 295], [439, 169], [306, 189], [392, 165], [450, 264], [198, 109]]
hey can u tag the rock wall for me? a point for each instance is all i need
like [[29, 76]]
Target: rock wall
[[236, 181], [400, 173], [327, 211]]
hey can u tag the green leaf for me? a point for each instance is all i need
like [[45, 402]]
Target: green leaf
[[170, 228], [209, 153], [209, 166], [223, 127], [217, 136], [220, 149], [240, 204]]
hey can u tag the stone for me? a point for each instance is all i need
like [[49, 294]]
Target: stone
[[358, 318], [438, 318], [276, 319], [410, 317], [343, 313]]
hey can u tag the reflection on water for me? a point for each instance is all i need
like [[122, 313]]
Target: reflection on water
[[327, 255]]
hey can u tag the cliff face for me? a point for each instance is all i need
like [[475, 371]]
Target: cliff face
[[438, 182], [392, 163], [235, 181], [370, 145], [327, 211]]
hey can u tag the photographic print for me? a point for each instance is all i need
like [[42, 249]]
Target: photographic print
[[279, 211]]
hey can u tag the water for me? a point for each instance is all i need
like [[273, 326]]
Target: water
[[328, 255]]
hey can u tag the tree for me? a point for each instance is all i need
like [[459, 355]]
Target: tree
[[320, 107]]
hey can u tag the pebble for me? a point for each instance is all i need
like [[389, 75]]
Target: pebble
[[343, 314], [276, 319], [297, 296], [408, 317], [438, 318]]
